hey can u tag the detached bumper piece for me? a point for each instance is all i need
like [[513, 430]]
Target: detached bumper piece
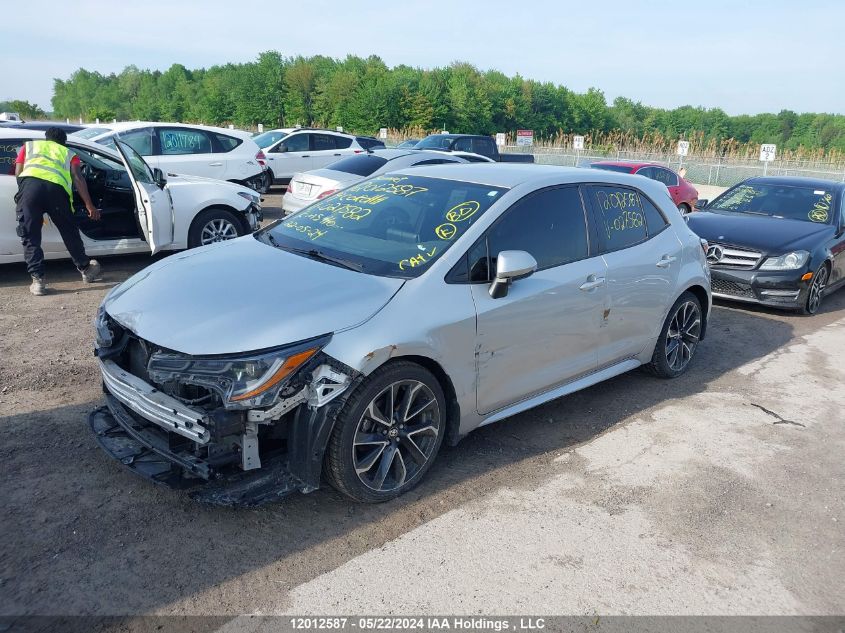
[[145, 451]]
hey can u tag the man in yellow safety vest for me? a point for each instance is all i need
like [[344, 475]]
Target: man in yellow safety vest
[[45, 170]]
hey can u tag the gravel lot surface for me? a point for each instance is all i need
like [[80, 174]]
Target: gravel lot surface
[[722, 492]]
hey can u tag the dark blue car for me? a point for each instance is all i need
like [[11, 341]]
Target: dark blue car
[[776, 241]]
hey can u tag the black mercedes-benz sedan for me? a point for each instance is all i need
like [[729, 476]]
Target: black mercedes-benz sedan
[[778, 241]]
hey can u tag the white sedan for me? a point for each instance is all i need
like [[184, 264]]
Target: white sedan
[[307, 187], [141, 211]]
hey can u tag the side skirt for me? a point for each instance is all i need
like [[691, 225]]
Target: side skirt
[[557, 392]]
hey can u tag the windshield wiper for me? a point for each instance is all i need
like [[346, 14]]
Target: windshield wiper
[[313, 253]]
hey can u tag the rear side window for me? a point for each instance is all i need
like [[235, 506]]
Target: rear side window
[[176, 141], [342, 142], [483, 146], [139, 140], [227, 143], [434, 161], [620, 215], [360, 164], [665, 176], [648, 172], [369, 143], [655, 222], [550, 225], [9, 149], [322, 142]]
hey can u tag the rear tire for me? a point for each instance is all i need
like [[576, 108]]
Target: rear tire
[[214, 225], [387, 434], [679, 338]]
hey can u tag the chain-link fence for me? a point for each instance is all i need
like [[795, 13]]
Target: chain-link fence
[[722, 172]]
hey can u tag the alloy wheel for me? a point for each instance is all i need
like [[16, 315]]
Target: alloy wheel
[[816, 289], [218, 230], [396, 435], [683, 335]]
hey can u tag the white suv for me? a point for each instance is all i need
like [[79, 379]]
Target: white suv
[[305, 149], [193, 150]]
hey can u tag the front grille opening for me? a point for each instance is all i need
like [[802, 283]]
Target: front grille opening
[[732, 288]]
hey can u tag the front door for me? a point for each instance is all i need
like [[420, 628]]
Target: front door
[[289, 156], [545, 331], [643, 257], [154, 207]]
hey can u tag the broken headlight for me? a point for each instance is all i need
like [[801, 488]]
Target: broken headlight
[[243, 382]]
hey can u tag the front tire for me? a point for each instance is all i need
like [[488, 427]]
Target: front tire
[[678, 339], [387, 434], [816, 292], [214, 225], [684, 208]]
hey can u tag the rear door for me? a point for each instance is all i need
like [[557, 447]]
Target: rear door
[[188, 151], [643, 258], [153, 205], [545, 332], [325, 150]]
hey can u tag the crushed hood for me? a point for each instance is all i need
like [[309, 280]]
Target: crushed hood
[[244, 295]]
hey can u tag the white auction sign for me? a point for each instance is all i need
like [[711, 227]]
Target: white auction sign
[[767, 152], [525, 137], [578, 142], [500, 139], [339, 128], [260, 128], [683, 148], [382, 133]]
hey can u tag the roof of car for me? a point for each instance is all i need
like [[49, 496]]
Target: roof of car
[[795, 181], [631, 164], [510, 175], [131, 125], [75, 140]]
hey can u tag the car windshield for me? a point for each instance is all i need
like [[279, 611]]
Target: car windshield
[[391, 225], [434, 142], [411, 142], [91, 132], [810, 204], [360, 165], [268, 138], [625, 169]]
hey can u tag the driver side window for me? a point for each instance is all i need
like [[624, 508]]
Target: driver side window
[[550, 225], [294, 143]]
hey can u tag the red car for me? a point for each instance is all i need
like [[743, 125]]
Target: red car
[[683, 194]]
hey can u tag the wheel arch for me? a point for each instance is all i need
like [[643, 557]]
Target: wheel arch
[[453, 408], [704, 299], [240, 214]]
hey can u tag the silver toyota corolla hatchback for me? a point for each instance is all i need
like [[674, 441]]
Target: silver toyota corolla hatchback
[[402, 312]]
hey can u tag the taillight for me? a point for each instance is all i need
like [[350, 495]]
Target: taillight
[[260, 157], [358, 151], [326, 193]]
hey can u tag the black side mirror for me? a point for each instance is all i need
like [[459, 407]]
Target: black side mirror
[[701, 204], [158, 177]]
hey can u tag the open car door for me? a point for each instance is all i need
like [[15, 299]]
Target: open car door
[[154, 208]]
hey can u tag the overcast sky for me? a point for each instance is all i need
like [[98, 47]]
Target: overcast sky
[[744, 57]]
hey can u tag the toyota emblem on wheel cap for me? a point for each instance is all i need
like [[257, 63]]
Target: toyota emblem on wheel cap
[[714, 254]]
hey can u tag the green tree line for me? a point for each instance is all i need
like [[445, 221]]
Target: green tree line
[[365, 94]]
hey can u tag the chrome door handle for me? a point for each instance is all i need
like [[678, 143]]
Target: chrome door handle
[[665, 261], [215, 164], [592, 283]]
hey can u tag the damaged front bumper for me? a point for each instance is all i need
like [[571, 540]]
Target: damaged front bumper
[[221, 456]]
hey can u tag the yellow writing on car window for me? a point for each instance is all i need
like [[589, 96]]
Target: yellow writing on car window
[[462, 211], [417, 260], [309, 231], [446, 231], [821, 209], [622, 210], [388, 184], [739, 196]]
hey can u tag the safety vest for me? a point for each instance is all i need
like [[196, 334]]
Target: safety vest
[[48, 161]]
